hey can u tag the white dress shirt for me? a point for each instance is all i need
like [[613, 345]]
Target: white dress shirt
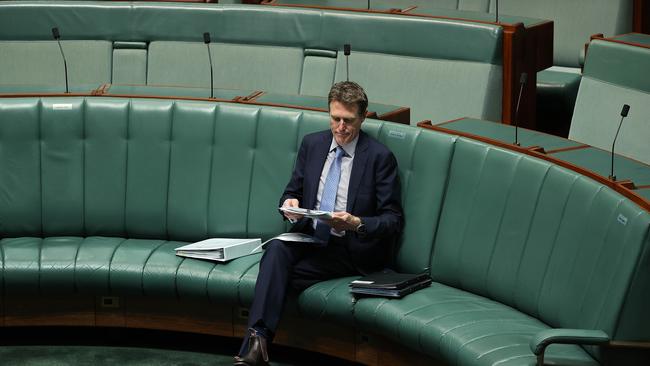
[[344, 182]]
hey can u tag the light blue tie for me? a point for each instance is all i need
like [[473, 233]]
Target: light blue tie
[[328, 198]]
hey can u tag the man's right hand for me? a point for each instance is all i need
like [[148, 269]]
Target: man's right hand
[[291, 202]]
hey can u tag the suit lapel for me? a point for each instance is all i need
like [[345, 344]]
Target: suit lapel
[[312, 176], [358, 167]]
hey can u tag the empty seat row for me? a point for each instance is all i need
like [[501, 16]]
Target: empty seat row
[[410, 62]]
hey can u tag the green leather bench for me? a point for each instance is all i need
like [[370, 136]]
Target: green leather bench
[[95, 193], [616, 73], [400, 61], [574, 22]]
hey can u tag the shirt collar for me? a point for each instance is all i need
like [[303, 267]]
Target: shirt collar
[[349, 148]]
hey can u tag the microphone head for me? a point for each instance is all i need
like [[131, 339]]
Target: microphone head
[[625, 110], [55, 33], [206, 37], [347, 49], [523, 78]]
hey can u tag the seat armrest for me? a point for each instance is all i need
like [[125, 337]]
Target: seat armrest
[[543, 339]]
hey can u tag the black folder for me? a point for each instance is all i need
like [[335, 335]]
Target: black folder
[[390, 284]]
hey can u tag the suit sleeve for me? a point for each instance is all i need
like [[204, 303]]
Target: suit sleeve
[[388, 220], [294, 188]]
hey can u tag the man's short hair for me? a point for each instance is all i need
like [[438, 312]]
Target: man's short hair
[[349, 92]]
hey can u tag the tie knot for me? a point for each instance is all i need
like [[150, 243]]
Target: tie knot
[[339, 152]]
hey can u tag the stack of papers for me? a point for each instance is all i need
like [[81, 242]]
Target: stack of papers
[[312, 214]]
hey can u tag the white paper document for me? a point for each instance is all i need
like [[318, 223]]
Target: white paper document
[[312, 214]]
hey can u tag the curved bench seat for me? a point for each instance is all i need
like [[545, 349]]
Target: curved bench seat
[[95, 194], [117, 267], [461, 328]]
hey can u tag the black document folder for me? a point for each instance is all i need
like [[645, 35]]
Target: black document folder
[[390, 284]]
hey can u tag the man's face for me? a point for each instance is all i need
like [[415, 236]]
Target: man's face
[[344, 122]]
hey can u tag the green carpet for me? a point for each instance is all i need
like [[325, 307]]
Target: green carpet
[[55, 346], [93, 355]]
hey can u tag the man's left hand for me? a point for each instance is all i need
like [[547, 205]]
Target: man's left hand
[[343, 221]]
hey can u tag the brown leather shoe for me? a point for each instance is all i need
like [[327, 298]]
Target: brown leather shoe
[[257, 354]]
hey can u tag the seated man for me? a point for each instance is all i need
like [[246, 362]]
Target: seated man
[[345, 171]]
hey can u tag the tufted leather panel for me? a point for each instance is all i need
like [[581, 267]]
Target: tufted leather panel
[[541, 239], [118, 170], [461, 328]]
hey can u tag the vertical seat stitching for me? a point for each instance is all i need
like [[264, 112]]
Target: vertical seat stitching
[[40, 159], [144, 265], [528, 231], [39, 261], [580, 249], [615, 267], [178, 267], [110, 264], [472, 206], [211, 170], [554, 245], [74, 266], [251, 176], [642, 256], [169, 166], [126, 166], [83, 168], [495, 242]]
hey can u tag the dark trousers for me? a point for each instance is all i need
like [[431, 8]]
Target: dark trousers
[[292, 265]]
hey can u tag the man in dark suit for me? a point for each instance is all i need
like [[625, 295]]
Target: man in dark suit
[[343, 171]]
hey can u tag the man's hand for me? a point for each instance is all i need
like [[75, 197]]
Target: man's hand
[[343, 221], [291, 202]]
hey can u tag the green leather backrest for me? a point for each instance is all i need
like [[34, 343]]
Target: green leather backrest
[[40, 62], [129, 63], [614, 74], [574, 22], [236, 66], [434, 89], [404, 61], [145, 168], [547, 241]]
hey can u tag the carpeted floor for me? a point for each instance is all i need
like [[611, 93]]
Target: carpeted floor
[[36, 346], [96, 355]]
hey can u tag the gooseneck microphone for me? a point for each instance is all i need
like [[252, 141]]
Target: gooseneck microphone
[[496, 11], [206, 40], [624, 112], [346, 51], [57, 36], [522, 82]]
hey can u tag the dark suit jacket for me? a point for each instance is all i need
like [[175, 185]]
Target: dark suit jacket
[[374, 195]]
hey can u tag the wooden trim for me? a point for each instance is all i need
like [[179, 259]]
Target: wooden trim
[[513, 49], [619, 186], [205, 317], [628, 344], [410, 8], [641, 16], [101, 89], [386, 12], [600, 37], [442, 123], [570, 148], [400, 115], [252, 96], [643, 187]]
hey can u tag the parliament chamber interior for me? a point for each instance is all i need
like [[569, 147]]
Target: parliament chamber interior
[[130, 128]]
